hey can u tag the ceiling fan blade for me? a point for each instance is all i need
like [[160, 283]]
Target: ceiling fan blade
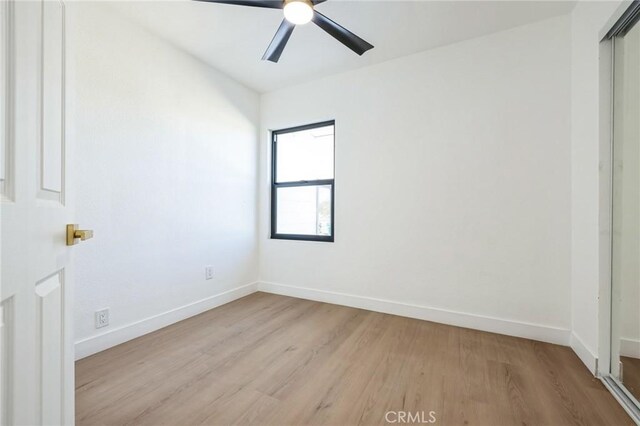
[[270, 4], [341, 34], [317, 1], [279, 41]]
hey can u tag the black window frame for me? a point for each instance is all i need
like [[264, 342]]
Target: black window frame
[[275, 185]]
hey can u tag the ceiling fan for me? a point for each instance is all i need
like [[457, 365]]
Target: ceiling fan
[[299, 12]]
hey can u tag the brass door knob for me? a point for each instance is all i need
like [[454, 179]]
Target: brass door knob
[[74, 234]]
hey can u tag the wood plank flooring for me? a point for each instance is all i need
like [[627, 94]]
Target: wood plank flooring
[[631, 375], [274, 360]]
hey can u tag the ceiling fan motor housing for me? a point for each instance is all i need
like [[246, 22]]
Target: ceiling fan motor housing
[[307, 2]]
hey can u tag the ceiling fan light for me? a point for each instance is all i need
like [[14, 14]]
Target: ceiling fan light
[[298, 12]]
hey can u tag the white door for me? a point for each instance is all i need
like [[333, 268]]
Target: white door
[[37, 376]]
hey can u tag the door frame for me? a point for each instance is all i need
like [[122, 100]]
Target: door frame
[[621, 19]]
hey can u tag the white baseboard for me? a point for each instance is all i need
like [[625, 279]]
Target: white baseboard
[[539, 332], [628, 347], [584, 353], [110, 338]]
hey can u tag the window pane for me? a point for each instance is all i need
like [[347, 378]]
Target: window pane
[[305, 155], [304, 210]]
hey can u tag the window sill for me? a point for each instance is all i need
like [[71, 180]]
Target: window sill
[[303, 238]]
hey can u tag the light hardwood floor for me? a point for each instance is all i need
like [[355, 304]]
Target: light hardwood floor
[[631, 375], [274, 360]]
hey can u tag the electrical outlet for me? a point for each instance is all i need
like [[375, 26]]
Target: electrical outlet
[[208, 272], [102, 318]]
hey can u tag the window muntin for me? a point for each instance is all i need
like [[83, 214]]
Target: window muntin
[[302, 193]]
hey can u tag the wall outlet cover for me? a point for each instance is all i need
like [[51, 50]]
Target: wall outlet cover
[[208, 272], [102, 318]]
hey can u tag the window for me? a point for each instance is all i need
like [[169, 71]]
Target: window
[[302, 183]]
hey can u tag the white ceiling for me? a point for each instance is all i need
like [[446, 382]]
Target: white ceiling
[[233, 38]]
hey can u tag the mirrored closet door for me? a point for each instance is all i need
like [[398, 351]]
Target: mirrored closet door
[[625, 261]]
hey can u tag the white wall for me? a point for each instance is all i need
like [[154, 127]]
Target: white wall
[[166, 166], [587, 21], [453, 184]]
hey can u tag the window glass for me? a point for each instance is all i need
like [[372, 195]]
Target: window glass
[[304, 210], [305, 155]]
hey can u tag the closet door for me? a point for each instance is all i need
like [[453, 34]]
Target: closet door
[[625, 309]]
